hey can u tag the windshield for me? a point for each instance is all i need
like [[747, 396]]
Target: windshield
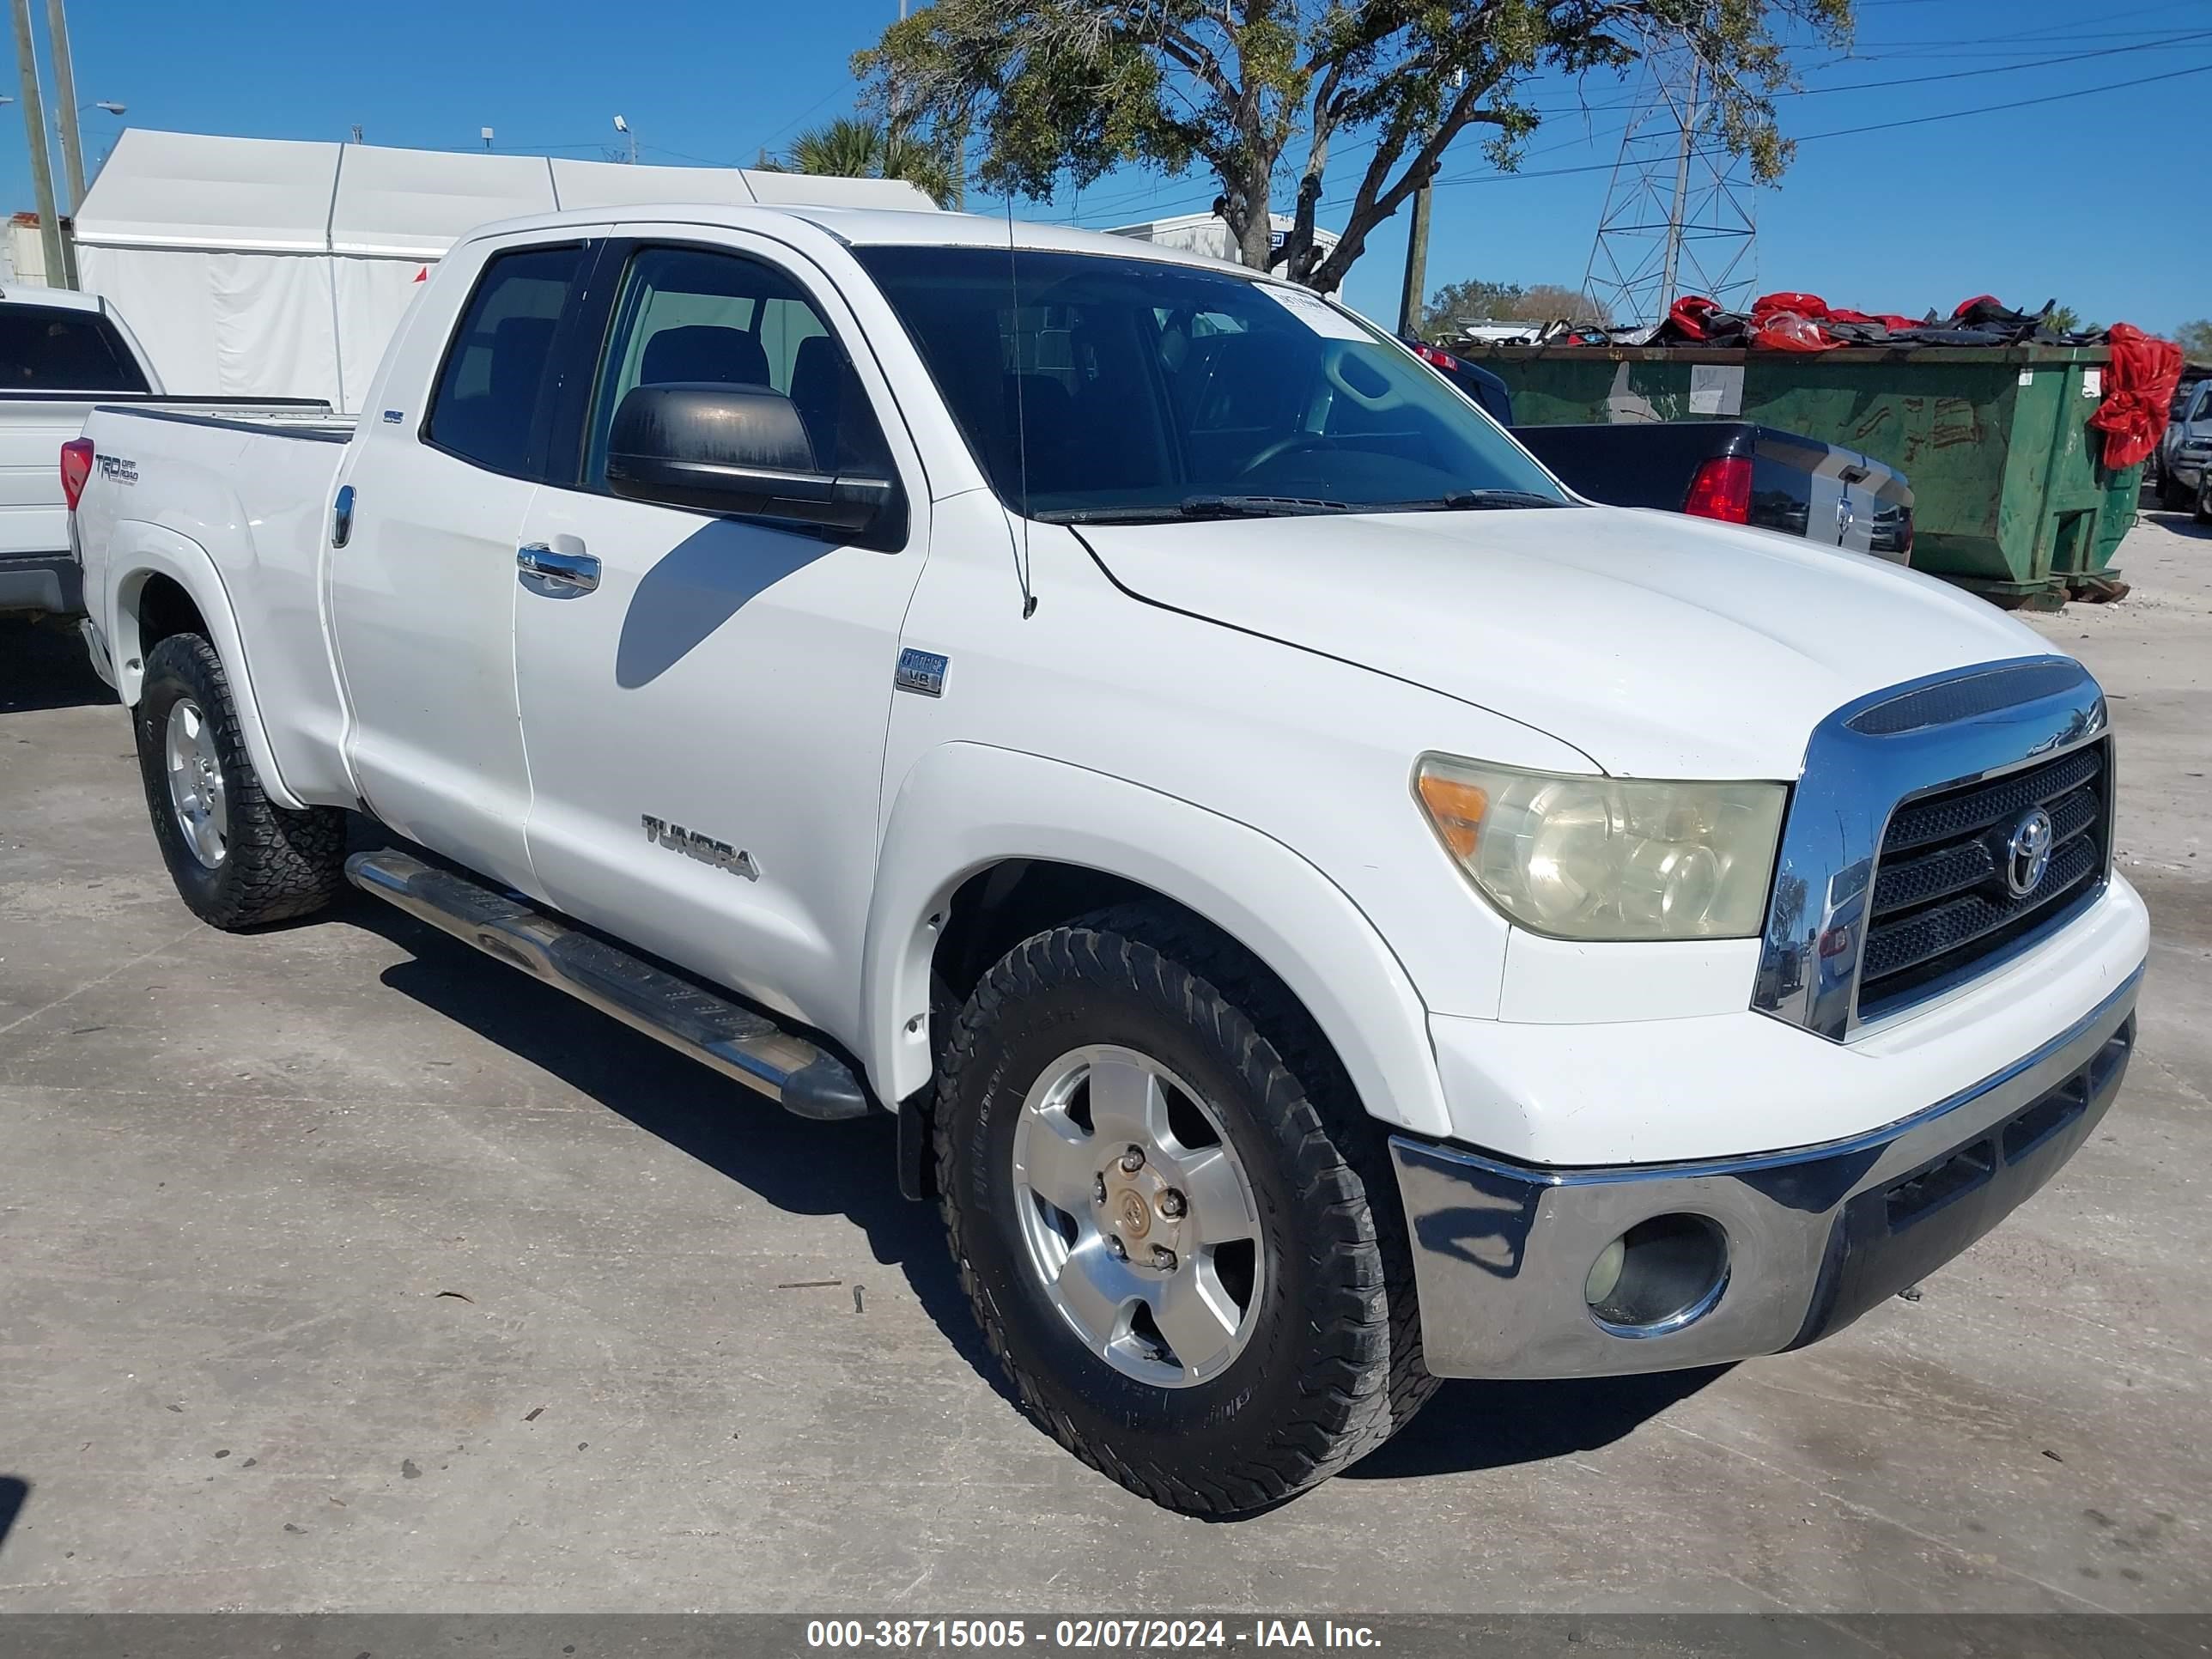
[[1132, 388]]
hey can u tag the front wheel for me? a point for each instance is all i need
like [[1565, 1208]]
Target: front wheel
[[238, 860], [1177, 1229], [2204, 497]]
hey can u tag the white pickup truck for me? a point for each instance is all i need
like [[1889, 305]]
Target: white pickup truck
[[1330, 909], [61, 353]]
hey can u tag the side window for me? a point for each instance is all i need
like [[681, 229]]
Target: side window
[[46, 348], [690, 314], [493, 380]]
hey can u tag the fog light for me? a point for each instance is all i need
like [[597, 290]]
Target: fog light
[[1605, 1273], [1658, 1276]]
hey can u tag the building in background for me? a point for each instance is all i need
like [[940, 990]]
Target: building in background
[[23, 252], [266, 267], [1207, 233]]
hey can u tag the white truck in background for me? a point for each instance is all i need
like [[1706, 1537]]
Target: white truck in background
[[62, 352], [1330, 909]]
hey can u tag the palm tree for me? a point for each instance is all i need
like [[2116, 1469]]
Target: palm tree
[[853, 147]]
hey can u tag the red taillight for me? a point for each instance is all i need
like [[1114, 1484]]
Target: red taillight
[[1429, 354], [1721, 489], [76, 467]]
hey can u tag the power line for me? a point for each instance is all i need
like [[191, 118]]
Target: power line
[[1110, 206], [1846, 132]]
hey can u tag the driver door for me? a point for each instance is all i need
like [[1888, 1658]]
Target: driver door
[[705, 712]]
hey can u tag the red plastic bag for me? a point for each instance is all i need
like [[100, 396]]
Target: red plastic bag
[[1687, 315], [1804, 305], [1788, 331], [2139, 385]]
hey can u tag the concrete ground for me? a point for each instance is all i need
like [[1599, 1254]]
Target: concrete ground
[[339, 1269]]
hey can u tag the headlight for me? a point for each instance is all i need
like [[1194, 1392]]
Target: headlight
[[1595, 858]]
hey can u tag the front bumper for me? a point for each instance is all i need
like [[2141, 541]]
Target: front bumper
[[1811, 1238]]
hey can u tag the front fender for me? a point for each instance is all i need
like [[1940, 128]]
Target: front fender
[[136, 550], [966, 806]]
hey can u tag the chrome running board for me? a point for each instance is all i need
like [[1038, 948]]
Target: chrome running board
[[736, 1041]]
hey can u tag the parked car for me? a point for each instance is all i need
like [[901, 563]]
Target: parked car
[[61, 352], [1329, 910], [1490, 393], [1739, 472], [2184, 451], [1733, 470]]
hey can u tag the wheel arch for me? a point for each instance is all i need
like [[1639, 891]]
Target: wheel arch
[[168, 585], [985, 846]]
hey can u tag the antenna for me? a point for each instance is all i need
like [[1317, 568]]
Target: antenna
[[1021, 416]]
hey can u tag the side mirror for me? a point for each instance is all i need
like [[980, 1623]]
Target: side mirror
[[740, 450]]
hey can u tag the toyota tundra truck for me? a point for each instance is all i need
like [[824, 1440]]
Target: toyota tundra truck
[[1330, 909]]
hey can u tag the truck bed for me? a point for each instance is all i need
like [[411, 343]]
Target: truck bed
[[229, 500], [37, 572]]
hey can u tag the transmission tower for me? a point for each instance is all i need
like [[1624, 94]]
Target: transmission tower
[[1678, 214]]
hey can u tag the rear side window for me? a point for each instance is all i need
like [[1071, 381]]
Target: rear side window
[[495, 378], [46, 348]]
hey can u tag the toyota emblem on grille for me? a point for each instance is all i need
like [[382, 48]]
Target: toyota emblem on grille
[[2027, 855]]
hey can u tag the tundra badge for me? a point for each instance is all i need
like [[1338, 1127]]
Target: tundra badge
[[705, 848]]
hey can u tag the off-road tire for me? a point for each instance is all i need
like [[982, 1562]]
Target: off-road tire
[[278, 864], [1333, 1367]]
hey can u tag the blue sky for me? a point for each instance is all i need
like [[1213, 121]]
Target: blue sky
[[2100, 201]]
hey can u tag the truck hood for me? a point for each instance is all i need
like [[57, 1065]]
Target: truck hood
[[1658, 645]]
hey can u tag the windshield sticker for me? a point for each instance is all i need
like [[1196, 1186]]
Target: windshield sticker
[[1316, 312]]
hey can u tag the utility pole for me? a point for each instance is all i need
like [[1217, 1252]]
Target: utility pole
[[1417, 264], [1674, 255], [34, 129], [72, 139], [66, 103], [1678, 216]]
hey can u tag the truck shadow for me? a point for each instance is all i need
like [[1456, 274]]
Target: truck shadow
[[802, 1167], [847, 1168], [1471, 1426], [2182, 522], [42, 667], [14, 1491]]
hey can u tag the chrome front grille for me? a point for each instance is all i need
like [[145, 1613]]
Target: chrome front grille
[[1904, 856], [1941, 900]]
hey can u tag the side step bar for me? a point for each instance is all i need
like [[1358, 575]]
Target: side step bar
[[712, 1029]]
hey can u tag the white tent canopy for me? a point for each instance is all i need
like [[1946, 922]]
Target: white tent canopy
[[270, 267]]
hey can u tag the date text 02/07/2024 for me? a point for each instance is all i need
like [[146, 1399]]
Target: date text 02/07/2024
[[1086, 1634]]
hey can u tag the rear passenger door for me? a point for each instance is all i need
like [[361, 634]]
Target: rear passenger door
[[423, 591], [705, 700]]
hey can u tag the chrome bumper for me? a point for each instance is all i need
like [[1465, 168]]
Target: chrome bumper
[[1812, 1237]]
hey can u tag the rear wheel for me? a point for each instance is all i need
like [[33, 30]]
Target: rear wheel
[[1178, 1230], [237, 860]]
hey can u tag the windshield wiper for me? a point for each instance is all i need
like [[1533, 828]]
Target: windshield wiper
[[1197, 506], [1466, 501]]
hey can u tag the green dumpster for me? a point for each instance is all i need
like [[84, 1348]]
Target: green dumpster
[[2009, 497]]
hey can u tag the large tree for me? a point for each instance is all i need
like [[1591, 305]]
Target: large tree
[[1259, 91]]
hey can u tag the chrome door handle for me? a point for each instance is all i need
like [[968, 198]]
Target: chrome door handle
[[578, 570]]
